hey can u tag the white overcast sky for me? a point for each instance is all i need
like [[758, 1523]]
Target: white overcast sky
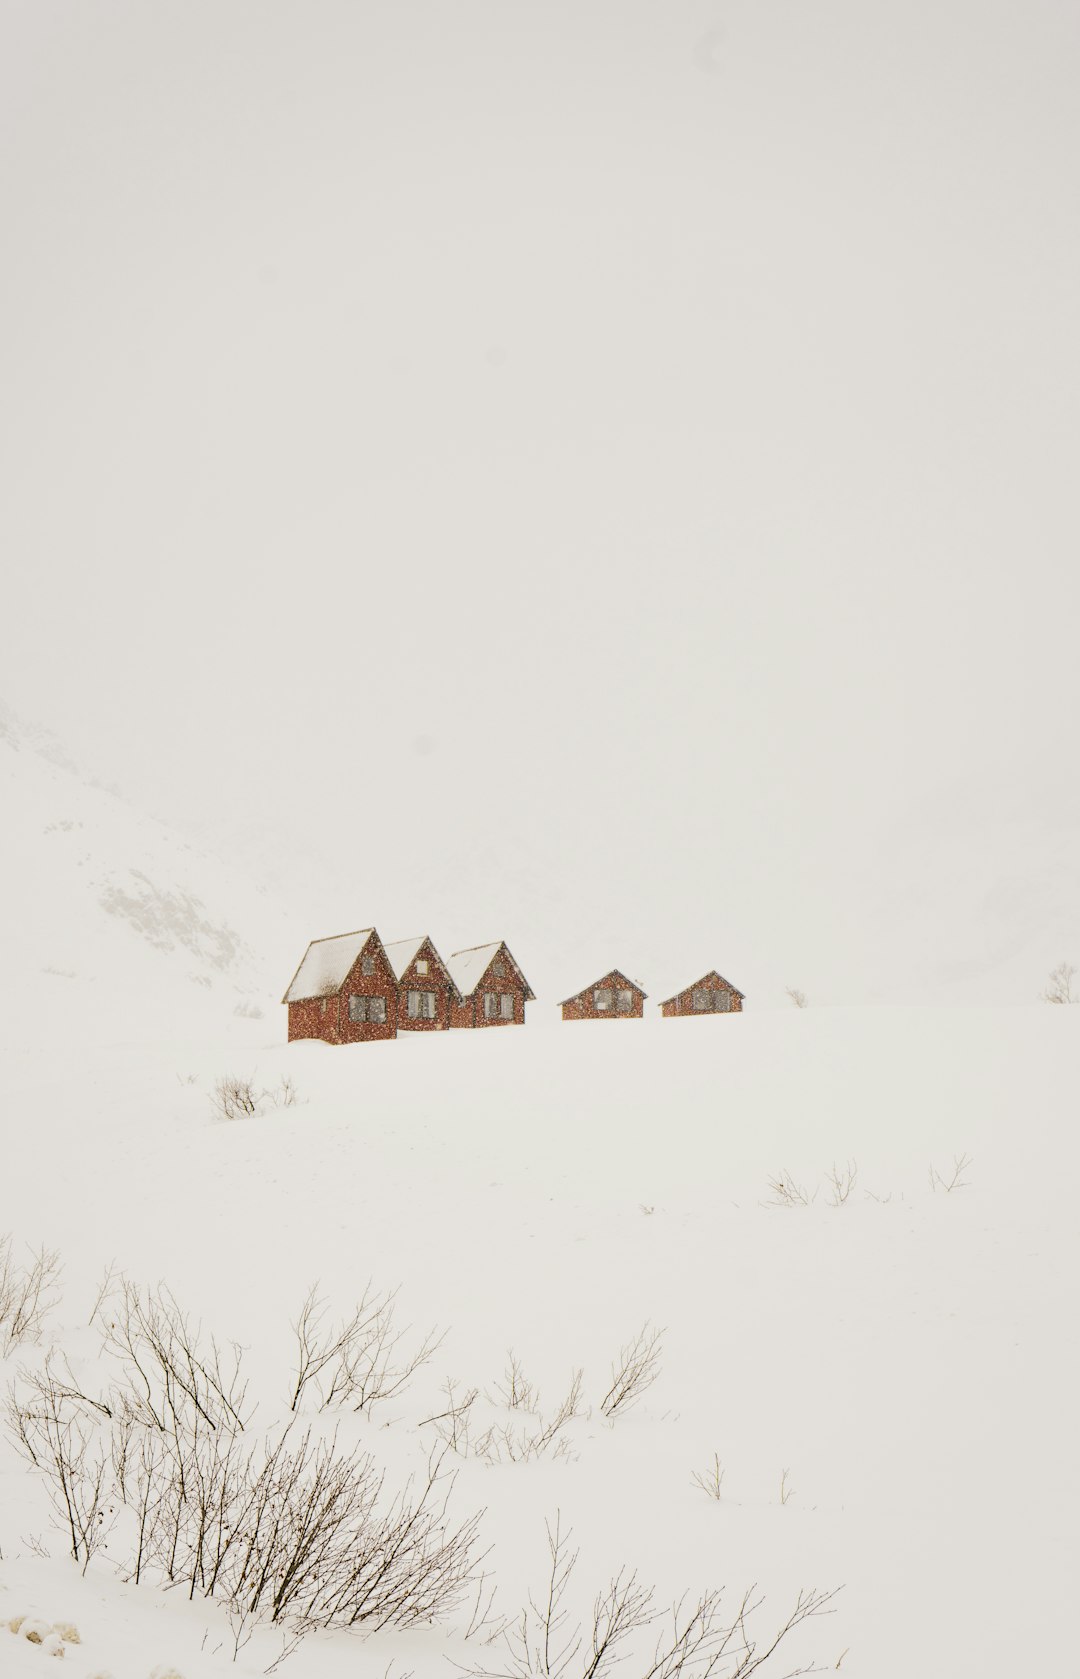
[[603, 468]]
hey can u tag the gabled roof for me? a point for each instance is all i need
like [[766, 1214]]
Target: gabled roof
[[705, 979], [403, 952], [326, 966], [612, 973], [468, 967]]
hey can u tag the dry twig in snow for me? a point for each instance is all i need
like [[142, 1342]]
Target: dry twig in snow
[[635, 1372], [957, 1180]]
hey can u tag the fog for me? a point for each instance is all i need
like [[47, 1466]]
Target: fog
[[599, 473]]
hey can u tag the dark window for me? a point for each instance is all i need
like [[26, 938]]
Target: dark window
[[498, 968], [367, 964], [706, 1001], [603, 997], [491, 1005], [506, 1005], [625, 1001], [421, 1005]]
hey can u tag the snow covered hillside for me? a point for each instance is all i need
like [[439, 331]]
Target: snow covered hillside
[[883, 1385], [112, 922]]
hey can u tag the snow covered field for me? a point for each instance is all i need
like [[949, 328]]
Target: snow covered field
[[887, 1383]]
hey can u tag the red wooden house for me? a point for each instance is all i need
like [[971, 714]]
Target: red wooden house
[[426, 991], [345, 991], [712, 994], [612, 998], [491, 988]]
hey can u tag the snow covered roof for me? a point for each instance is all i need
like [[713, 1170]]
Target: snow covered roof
[[706, 979], [468, 967], [326, 966], [402, 952], [612, 973]]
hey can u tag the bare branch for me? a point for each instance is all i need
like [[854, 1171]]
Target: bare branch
[[357, 1362], [956, 1180], [710, 1480], [517, 1392], [841, 1181], [27, 1294], [1059, 985], [695, 1640], [787, 1192], [634, 1373]]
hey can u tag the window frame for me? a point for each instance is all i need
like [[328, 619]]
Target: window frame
[[362, 1014], [422, 1000]]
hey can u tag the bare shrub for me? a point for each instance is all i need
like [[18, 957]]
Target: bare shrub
[[787, 1192], [179, 1383], [692, 1640], [453, 1424], [358, 1362], [710, 1480], [518, 1441], [517, 1392], [1059, 986], [235, 1097], [27, 1293], [62, 1437], [787, 1491], [288, 1529], [634, 1372], [799, 998], [841, 1182], [522, 1444], [955, 1180], [316, 1548]]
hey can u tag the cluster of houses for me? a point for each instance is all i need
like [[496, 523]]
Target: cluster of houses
[[353, 988]]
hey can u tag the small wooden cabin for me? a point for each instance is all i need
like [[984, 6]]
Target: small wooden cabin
[[612, 998], [491, 988], [345, 991], [712, 994], [425, 988]]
